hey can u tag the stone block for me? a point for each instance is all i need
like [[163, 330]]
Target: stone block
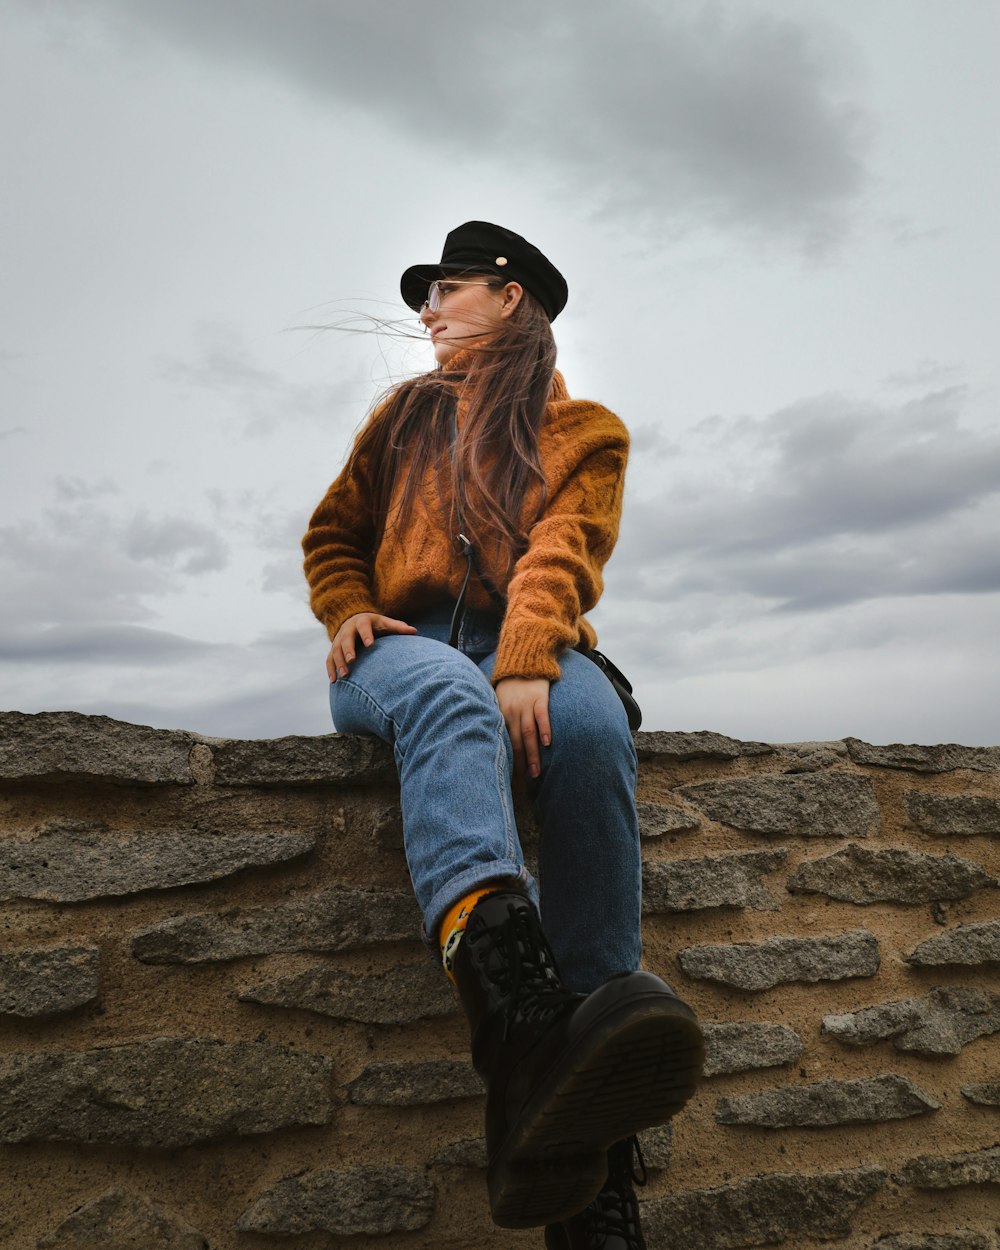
[[681, 885], [983, 1093], [807, 805], [699, 745], [964, 1239], [332, 759], [470, 1153], [68, 866], [120, 1220], [940, 1023], [859, 874], [760, 966], [760, 1210], [388, 828], [400, 995], [47, 981], [164, 1092], [945, 758], [655, 1144], [415, 1084], [972, 1167], [954, 815], [658, 819], [368, 1201], [967, 945], [740, 1046], [333, 920], [825, 1103], [65, 746]]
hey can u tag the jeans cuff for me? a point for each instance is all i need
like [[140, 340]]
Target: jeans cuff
[[502, 872]]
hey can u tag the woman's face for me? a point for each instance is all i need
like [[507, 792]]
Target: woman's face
[[469, 309]]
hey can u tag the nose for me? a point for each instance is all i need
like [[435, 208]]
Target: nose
[[426, 316]]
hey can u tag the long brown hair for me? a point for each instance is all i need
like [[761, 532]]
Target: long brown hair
[[503, 385]]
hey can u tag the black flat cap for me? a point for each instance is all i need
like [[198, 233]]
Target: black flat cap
[[485, 248]]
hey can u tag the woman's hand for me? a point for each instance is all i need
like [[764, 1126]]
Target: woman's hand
[[524, 703], [364, 625]]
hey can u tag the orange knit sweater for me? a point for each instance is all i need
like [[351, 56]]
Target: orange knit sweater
[[583, 449]]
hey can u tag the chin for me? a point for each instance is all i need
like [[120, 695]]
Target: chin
[[443, 351]]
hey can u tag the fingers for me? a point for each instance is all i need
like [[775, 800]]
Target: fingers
[[529, 742], [525, 708], [361, 627]]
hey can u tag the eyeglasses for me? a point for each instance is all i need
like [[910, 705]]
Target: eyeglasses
[[444, 286]]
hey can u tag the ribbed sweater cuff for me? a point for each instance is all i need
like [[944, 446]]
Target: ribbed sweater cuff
[[333, 618], [531, 656]]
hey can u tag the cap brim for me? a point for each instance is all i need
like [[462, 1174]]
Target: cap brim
[[416, 280]]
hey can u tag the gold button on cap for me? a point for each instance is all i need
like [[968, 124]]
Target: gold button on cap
[[500, 260]]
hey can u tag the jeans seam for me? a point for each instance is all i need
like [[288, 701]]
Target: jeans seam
[[502, 790]]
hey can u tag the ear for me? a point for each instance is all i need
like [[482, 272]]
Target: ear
[[512, 293]]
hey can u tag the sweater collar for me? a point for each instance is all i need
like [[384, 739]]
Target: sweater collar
[[462, 360]]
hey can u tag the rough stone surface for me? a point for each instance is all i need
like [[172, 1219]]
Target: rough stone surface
[[760, 1210], [400, 995], [300, 760], [858, 874], [47, 981], [965, 1239], [721, 881], [388, 828], [164, 1092], [967, 945], [824, 1103], [64, 746], [924, 759], [333, 920], [470, 1153], [413, 1084], [119, 1220], [940, 1023], [370, 1200], [700, 745], [808, 805], [750, 966], [655, 1144], [657, 819], [68, 866], [743, 1046], [984, 1093], [973, 1167], [954, 816]]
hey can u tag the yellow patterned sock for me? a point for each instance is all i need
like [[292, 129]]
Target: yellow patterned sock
[[453, 926]]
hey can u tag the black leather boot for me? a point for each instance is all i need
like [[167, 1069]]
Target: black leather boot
[[611, 1222], [566, 1074]]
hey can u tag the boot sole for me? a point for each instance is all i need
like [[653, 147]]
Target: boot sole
[[633, 1068]]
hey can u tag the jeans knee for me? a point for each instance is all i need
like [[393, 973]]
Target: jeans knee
[[601, 736]]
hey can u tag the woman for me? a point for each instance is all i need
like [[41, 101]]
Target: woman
[[478, 507]]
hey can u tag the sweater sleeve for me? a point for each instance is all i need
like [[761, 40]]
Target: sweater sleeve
[[339, 549], [559, 576]]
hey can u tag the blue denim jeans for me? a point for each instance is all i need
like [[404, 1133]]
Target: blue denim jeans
[[435, 706]]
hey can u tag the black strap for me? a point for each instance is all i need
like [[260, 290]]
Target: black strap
[[471, 559]]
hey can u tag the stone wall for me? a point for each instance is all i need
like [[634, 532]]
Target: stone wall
[[218, 1028]]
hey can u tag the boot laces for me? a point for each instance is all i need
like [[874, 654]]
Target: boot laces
[[527, 972], [614, 1213]]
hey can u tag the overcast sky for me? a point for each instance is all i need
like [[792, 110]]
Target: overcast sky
[[778, 223]]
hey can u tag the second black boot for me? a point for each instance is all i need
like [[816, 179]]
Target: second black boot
[[566, 1074], [611, 1221]]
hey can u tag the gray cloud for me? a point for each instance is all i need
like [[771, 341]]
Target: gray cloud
[[704, 115], [115, 646], [188, 545], [822, 504]]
